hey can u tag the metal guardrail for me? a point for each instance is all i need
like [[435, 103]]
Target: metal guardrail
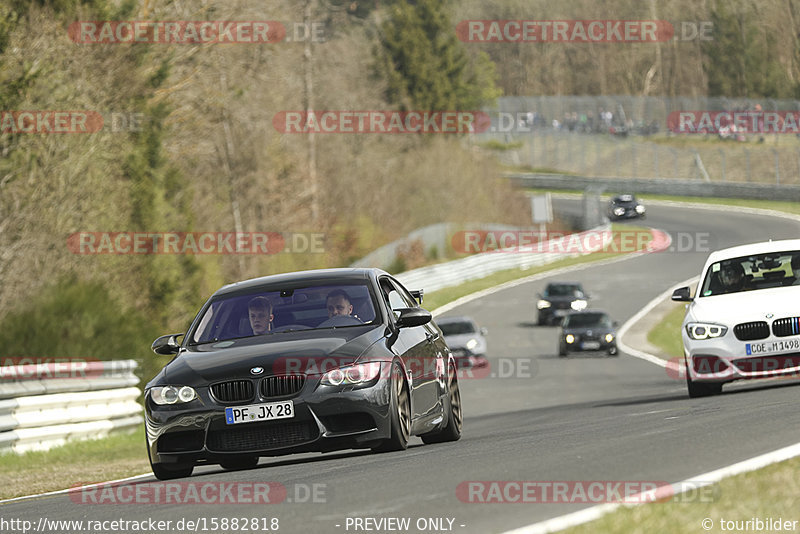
[[694, 188], [442, 275], [40, 408]]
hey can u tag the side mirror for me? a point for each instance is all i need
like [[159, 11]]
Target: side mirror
[[166, 344], [615, 324], [484, 330], [413, 317], [682, 294], [417, 294]]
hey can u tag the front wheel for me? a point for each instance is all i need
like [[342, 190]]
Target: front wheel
[[171, 472], [702, 389], [399, 414], [239, 462], [455, 418]]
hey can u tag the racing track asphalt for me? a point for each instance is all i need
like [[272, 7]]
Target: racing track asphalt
[[584, 418]]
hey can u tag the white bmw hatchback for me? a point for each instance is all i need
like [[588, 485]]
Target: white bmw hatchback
[[744, 321]]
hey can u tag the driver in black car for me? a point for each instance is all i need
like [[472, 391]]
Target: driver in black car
[[338, 303]]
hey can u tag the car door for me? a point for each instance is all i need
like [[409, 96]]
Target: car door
[[419, 354]]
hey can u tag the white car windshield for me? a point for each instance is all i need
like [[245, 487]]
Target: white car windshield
[[748, 273]]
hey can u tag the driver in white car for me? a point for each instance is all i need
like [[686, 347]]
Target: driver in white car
[[732, 278]]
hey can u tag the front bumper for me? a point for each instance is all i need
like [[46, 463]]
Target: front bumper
[[588, 344], [726, 358], [326, 418]]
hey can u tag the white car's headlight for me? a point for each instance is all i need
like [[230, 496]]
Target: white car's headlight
[[639, 209], [578, 305], [705, 330], [472, 343], [352, 374], [542, 304], [172, 394]]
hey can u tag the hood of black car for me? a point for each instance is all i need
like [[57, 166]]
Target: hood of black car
[[275, 354]]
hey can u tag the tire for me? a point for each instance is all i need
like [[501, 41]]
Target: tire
[[455, 418], [613, 351], [702, 389], [562, 352], [239, 462], [399, 414], [169, 471]]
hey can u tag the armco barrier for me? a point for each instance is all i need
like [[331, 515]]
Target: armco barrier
[[693, 188], [38, 412], [442, 275]]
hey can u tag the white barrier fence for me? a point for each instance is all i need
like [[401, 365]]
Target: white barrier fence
[[442, 275], [43, 405]]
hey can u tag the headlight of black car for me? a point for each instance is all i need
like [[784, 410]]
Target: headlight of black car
[[163, 395], [365, 374]]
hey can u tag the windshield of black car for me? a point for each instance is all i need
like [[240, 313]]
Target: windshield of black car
[[563, 291], [586, 320], [292, 309], [749, 273], [457, 328]]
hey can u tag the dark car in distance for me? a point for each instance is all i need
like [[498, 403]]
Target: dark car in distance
[[369, 377], [588, 330], [466, 340], [625, 207], [558, 299]]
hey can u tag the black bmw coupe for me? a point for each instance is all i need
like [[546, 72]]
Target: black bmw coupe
[[308, 361]]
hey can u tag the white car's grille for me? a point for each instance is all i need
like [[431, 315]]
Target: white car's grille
[[787, 326], [751, 331]]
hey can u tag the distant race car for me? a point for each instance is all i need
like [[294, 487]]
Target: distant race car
[[588, 330], [744, 321], [309, 361], [559, 299], [466, 340], [625, 207]]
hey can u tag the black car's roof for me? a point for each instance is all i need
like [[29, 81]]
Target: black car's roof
[[624, 198], [313, 276], [551, 284]]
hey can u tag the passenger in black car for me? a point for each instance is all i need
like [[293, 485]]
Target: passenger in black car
[[260, 313]]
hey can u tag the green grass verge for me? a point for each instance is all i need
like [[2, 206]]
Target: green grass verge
[[771, 492], [666, 335], [80, 462]]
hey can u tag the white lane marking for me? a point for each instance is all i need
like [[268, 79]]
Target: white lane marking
[[76, 488], [706, 479], [636, 353]]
